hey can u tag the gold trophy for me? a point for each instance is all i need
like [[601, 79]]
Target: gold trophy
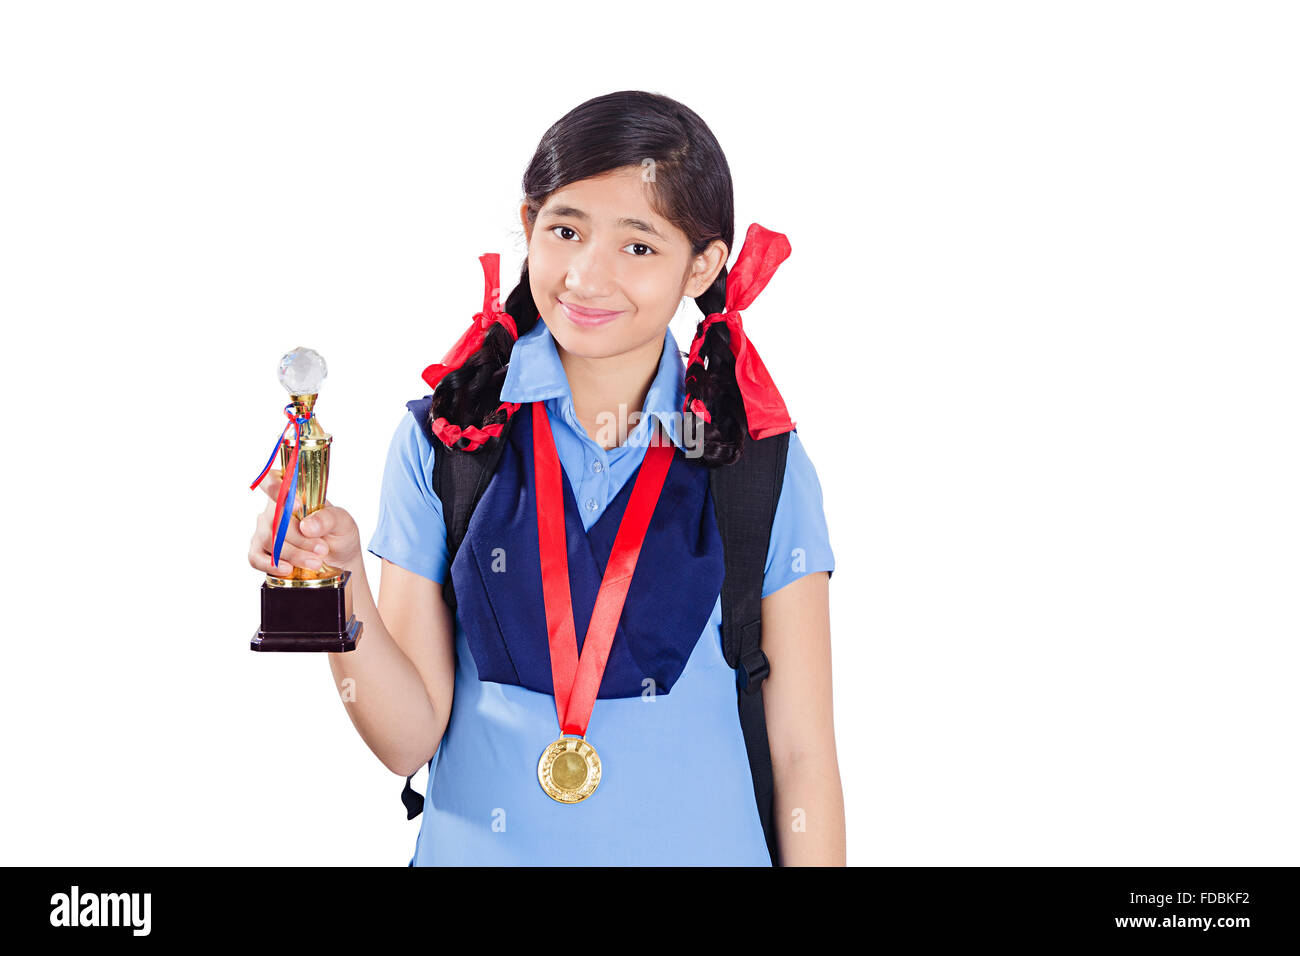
[[311, 609]]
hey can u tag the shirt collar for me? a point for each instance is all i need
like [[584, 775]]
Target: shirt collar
[[535, 373]]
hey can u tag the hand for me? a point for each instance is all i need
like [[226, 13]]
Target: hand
[[330, 537]]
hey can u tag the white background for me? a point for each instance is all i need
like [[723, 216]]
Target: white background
[[1039, 333]]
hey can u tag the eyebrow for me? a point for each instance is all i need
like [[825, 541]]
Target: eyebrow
[[571, 212]]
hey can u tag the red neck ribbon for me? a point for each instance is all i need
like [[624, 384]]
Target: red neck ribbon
[[765, 410], [577, 681]]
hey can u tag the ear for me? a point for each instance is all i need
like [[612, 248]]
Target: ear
[[705, 268], [523, 217]]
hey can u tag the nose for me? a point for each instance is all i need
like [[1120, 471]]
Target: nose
[[590, 276]]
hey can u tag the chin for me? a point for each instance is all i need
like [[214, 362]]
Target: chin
[[599, 341], [575, 342]]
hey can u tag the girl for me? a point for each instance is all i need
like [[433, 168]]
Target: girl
[[572, 712]]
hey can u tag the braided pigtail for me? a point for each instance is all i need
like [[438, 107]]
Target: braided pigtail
[[467, 409], [712, 383]]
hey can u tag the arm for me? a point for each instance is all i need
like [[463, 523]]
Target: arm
[[402, 671], [808, 803]]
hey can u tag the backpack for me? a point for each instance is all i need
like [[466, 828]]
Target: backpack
[[745, 495]]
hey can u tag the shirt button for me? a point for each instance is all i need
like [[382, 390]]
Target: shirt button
[[591, 504], [597, 467]]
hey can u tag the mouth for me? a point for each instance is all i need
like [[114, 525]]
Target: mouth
[[588, 317]]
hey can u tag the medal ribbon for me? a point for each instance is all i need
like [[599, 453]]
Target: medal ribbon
[[577, 681], [288, 489]]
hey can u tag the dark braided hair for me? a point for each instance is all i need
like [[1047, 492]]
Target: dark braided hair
[[691, 188]]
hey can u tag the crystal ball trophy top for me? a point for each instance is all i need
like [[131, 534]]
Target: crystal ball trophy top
[[310, 609]]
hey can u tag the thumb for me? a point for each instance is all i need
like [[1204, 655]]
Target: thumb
[[320, 523]]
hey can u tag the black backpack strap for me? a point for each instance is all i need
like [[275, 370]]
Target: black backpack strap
[[459, 480], [745, 495], [413, 801]]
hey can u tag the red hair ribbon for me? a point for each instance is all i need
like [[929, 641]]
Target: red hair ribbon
[[472, 340], [765, 410], [469, 343], [475, 436]]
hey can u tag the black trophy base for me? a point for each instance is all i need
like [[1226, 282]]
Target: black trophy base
[[308, 619]]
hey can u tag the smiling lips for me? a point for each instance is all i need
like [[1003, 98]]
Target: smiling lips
[[581, 316]]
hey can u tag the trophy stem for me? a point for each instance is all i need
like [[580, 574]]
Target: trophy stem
[[313, 480]]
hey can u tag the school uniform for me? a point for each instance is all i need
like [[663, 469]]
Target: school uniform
[[676, 786]]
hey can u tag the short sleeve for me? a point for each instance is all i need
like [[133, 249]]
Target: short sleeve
[[800, 543], [411, 531]]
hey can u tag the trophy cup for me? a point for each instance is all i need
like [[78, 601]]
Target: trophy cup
[[311, 609]]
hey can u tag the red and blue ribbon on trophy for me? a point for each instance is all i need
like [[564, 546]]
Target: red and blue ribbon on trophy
[[288, 489]]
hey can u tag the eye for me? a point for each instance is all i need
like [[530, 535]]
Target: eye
[[641, 245], [553, 228]]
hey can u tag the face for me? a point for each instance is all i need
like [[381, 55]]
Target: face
[[607, 273]]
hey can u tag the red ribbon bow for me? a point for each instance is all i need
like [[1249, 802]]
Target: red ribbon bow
[[472, 340], [765, 410], [469, 343]]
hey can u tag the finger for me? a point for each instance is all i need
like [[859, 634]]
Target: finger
[[301, 556], [292, 535], [290, 558], [309, 543], [260, 559], [320, 523]]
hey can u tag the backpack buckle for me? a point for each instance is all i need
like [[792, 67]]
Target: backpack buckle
[[756, 669]]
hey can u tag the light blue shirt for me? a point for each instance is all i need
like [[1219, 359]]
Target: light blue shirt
[[676, 786]]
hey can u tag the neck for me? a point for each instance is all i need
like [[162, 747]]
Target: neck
[[601, 385]]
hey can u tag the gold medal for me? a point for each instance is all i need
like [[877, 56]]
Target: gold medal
[[569, 770]]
